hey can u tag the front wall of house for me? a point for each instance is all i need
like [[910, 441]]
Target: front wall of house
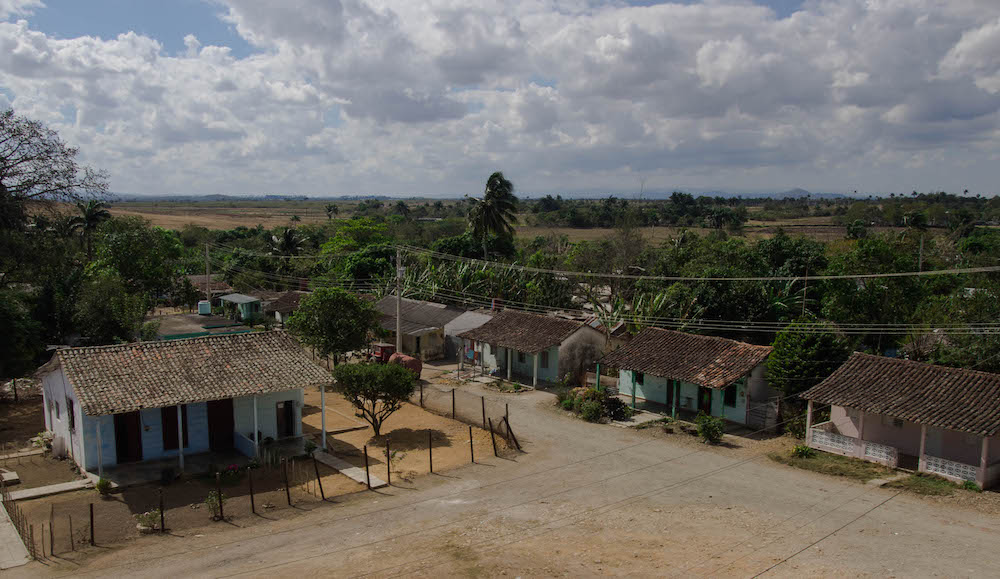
[[953, 445], [152, 432], [878, 428], [267, 413], [737, 412], [656, 388], [758, 386], [106, 453]]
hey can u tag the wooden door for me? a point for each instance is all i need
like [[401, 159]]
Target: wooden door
[[220, 424], [128, 437], [285, 414], [705, 400]]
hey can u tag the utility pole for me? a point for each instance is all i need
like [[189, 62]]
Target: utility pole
[[920, 260], [399, 301], [208, 277]]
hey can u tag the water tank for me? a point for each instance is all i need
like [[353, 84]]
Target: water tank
[[205, 308]]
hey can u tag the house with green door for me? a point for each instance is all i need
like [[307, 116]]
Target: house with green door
[[676, 372]]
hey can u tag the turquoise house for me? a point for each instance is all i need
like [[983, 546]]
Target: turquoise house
[[241, 307], [112, 405], [686, 372]]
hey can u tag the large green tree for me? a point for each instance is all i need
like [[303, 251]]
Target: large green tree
[[20, 340], [143, 257], [376, 390], [804, 354], [92, 214], [334, 322], [496, 212], [107, 311]]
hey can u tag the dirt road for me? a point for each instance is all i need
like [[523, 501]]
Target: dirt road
[[588, 500]]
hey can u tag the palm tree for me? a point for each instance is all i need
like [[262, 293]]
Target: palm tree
[[92, 214], [401, 208], [286, 242], [331, 210], [496, 212]]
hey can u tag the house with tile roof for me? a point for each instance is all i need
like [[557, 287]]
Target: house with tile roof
[[534, 347], [284, 306], [241, 307], [109, 405], [692, 373], [423, 325], [910, 415]]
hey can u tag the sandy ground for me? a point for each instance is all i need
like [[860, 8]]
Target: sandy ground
[[19, 422]]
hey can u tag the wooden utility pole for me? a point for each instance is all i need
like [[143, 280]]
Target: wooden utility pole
[[399, 302]]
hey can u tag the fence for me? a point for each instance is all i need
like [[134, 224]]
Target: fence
[[17, 518], [471, 409]]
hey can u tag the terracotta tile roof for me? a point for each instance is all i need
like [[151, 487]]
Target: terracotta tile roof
[[419, 317], [127, 377], [523, 332], [704, 360], [287, 303], [953, 398], [217, 283]]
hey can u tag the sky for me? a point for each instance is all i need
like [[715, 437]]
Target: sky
[[396, 97]]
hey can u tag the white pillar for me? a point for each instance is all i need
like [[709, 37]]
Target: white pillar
[[322, 413], [809, 423], [461, 358], [508, 364], [984, 462], [180, 437], [256, 442], [534, 370], [923, 446], [861, 434], [100, 451]]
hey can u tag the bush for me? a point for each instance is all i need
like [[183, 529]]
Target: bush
[[309, 447], [215, 502], [971, 486], [567, 404], [149, 519], [803, 451], [103, 486], [592, 411], [710, 428], [616, 409], [796, 427]]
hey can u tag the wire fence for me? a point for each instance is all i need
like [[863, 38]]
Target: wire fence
[[17, 518], [490, 415]]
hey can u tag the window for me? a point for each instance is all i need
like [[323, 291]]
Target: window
[[729, 396], [57, 411], [640, 378], [71, 415], [168, 424], [520, 357], [545, 360]]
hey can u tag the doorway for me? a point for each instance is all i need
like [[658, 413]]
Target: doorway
[[705, 400], [285, 413], [220, 424], [128, 437]]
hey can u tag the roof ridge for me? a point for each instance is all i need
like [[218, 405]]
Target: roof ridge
[[708, 337], [161, 343], [905, 361]]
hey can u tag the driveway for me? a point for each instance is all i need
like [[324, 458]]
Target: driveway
[[589, 500]]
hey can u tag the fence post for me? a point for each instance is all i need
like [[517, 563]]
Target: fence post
[[72, 538], [510, 432], [430, 448], [421, 394], [483, 399], [218, 491], [368, 476], [388, 463], [41, 539], [472, 450], [453, 404], [284, 471], [31, 533], [52, 531], [92, 543], [319, 482], [253, 505], [163, 524], [493, 438]]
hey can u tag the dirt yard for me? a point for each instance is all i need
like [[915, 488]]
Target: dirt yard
[[406, 431], [20, 422]]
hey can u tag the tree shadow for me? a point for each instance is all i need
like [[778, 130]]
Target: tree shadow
[[410, 439]]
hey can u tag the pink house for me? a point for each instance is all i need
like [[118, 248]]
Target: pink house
[[911, 415]]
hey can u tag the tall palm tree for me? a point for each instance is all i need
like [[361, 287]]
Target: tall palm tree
[[496, 212], [92, 214], [286, 242]]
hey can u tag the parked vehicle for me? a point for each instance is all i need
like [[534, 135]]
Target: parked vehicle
[[382, 351]]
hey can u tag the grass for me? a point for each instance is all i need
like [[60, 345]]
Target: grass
[[925, 484], [834, 464]]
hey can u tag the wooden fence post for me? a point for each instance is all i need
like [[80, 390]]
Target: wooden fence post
[[430, 448], [368, 476], [453, 404], [163, 523], [421, 394], [72, 539], [218, 491], [253, 505], [52, 532], [319, 481], [92, 543], [31, 534], [483, 398], [472, 450], [284, 470], [388, 463]]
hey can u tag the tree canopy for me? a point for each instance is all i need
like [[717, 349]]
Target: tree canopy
[[376, 390], [802, 359], [333, 321]]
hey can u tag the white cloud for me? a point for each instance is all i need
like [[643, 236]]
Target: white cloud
[[10, 8], [404, 97]]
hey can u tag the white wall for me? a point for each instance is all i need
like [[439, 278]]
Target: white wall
[[267, 415], [55, 391]]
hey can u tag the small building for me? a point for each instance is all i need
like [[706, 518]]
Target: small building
[[534, 347], [215, 284], [423, 325], [109, 405], [911, 415], [284, 306], [241, 307], [680, 371], [466, 321]]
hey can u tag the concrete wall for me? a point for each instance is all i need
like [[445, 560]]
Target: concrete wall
[[497, 360], [432, 345], [758, 386], [656, 388], [464, 322], [56, 393], [579, 351], [267, 413], [953, 445]]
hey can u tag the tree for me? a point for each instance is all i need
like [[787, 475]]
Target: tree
[[377, 390], [401, 208], [92, 214], [333, 322], [803, 356], [107, 312], [286, 242], [496, 212], [142, 256], [20, 340], [332, 210]]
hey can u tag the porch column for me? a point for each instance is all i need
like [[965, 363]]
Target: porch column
[[508, 350], [598, 379], [534, 370], [984, 461], [256, 436], [634, 386], [322, 414], [180, 437], [809, 423], [861, 434], [461, 359], [100, 451], [677, 394], [923, 446]]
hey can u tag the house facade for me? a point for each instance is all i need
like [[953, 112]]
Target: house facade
[[241, 307], [533, 347], [423, 325], [692, 373], [911, 415], [110, 405], [284, 306]]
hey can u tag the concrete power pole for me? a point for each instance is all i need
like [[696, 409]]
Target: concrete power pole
[[208, 277], [399, 301]]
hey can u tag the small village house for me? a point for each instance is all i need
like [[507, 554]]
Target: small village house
[[689, 372], [911, 415], [534, 347], [212, 285], [469, 320], [283, 307], [110, 405], [423, 325], [241, 307]]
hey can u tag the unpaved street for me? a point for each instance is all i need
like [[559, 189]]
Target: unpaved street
[[588, 500]]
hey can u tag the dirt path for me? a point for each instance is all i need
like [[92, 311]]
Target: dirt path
[[590, 500]]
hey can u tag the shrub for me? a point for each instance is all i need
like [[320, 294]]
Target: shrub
[[567, 404], [149, 519], [592, 411], [796, 427], [971, 486], [309, 447], [577, 404], [803, 451], [616, 409], [710, 428], [215, 501], [103, 486]]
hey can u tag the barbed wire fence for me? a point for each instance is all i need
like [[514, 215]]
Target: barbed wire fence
[[491, 415]]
